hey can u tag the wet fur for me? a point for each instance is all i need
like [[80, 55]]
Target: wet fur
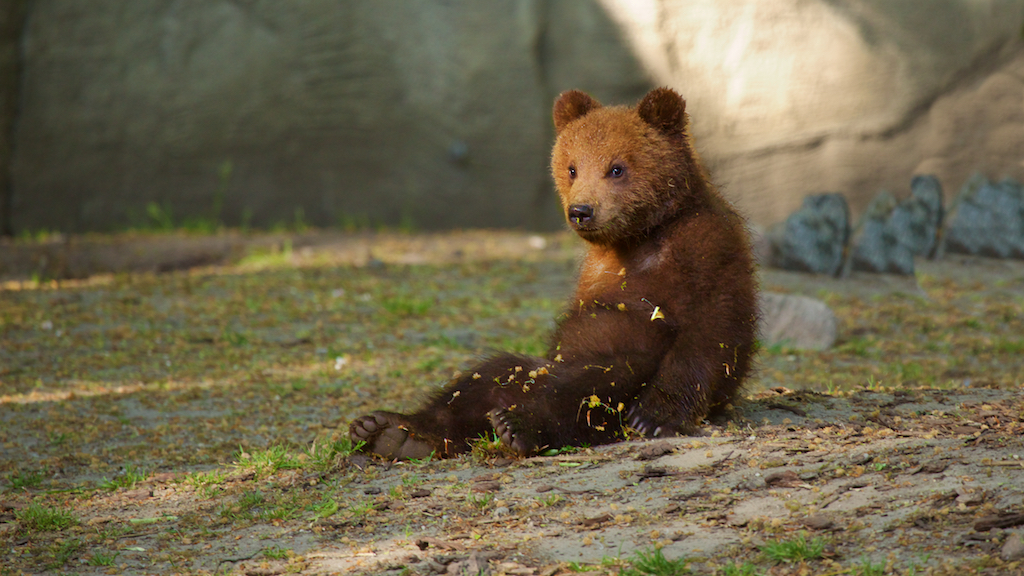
[[661, 328]]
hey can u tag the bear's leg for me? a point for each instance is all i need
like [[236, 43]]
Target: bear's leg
[[577, 404], [389, 434], [457, 414], [677, 399]]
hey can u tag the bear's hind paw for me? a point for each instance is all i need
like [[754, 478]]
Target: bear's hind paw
[[387, 434], [508, 429]]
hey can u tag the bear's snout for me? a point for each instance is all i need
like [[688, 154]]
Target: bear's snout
[[581, 215]]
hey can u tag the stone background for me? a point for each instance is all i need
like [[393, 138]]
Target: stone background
[[436, 114]]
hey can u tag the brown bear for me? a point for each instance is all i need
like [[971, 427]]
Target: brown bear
[[662, 326]]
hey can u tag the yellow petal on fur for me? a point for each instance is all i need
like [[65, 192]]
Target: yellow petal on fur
[[657, 314]]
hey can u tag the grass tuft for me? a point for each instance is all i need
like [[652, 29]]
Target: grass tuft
[[38, 517]]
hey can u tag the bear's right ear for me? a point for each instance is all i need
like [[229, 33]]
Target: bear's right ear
[[664, 109], [570, 106]]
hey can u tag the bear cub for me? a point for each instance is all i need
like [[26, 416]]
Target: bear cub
[[662, 326]]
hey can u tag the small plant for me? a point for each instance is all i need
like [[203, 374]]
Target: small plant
[[869, 569], [206, 483], [62, 552], [552, 499], [25, 479], [794, 550], [246, 506], [103, 559], [276, 553], [268, 461], [406, 306], [654, 563], [324, 455], [481, 501], [326, 508], [128, 479], [38, 517]]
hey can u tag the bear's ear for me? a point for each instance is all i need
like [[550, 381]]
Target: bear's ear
[[570, 106], [664, 109]]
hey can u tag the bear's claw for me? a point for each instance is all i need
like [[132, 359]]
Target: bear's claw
[[388, 434], [508, 429]]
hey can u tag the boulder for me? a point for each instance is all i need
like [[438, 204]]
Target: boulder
[[797, 322], [988, 219], [917, 220], [877, 246], [813, 238]]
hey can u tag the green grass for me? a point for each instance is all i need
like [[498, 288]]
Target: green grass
[[128, 479], [406, 306], [266, 462], [62, 552], [276, 553], [24, 479], [246, 507], [35, 516], [868, 569], [207, 484], [794, 550], [654, 563], [324, 455], [325, 508], [103, 558]]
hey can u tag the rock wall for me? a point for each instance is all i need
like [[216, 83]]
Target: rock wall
[[12, 19], [850, 96], [436, 114]]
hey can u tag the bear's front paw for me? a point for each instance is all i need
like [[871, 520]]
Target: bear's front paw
[[509, 430], [388, 434]]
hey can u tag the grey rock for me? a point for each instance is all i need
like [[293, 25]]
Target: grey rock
[[877, 244], [988, 219], [813, 238], [797, 322], [917, 220]]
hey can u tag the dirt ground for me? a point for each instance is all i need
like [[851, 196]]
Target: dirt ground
[[158, 420]]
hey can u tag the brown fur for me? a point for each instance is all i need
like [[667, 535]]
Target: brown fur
[[662, 326]]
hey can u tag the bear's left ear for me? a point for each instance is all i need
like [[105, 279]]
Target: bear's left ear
[[664, 109], [570, 106]]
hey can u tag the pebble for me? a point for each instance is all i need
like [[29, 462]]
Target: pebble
[[1013, 548]]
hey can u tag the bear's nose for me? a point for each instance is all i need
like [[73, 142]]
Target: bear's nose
[[581, 214]]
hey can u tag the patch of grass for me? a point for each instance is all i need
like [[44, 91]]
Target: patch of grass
[[868, 569], [24, 479], [481, 501], [406, 306], [103, 558], [35, 516], [128, 479], [246, 507], [266, 462], [206, 483], [276, 256], [62, 552], [325, 508], [276, 553], [551, 499], [530, 345], [654, 563], [324, 455], [1008, 346], [794, 550]]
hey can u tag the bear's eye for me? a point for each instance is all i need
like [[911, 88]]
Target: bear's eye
[[572, 172], [617, 171]]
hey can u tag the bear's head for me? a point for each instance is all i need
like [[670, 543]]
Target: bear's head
[[621, 171]]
